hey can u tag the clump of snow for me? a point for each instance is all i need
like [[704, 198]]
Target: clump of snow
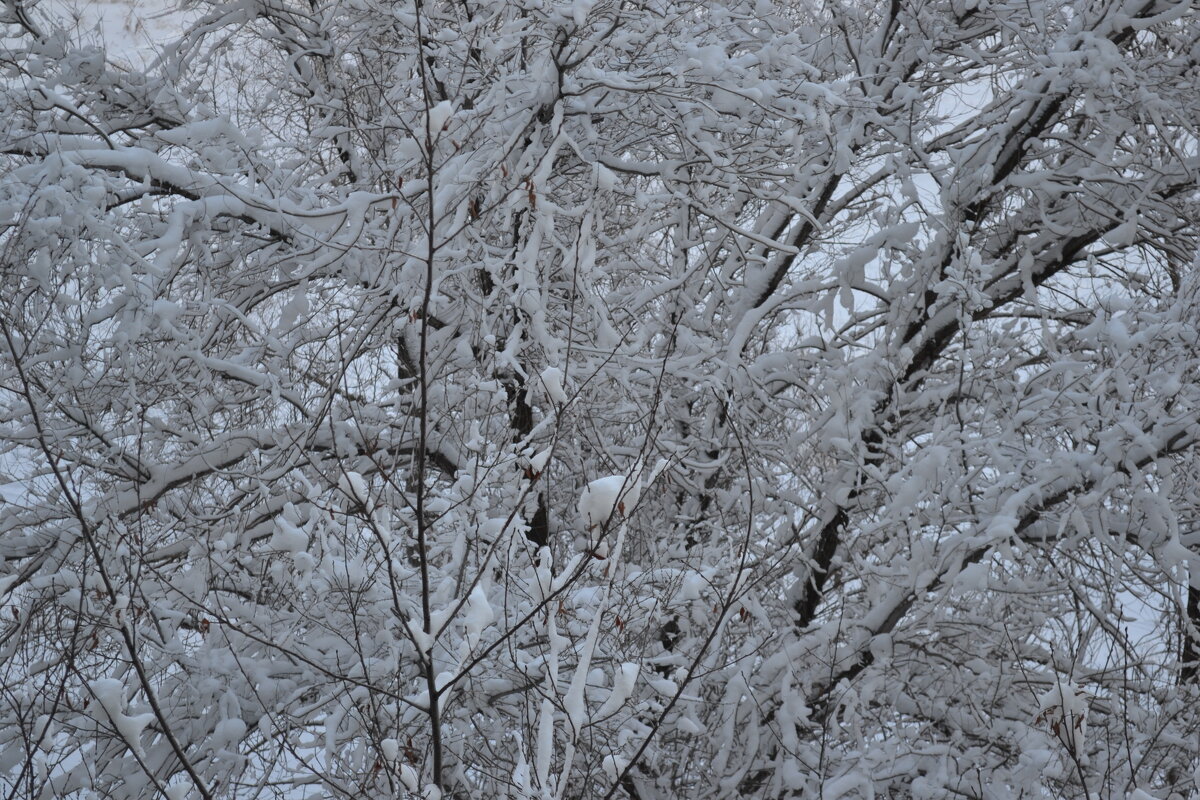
[[420, 638], [228, 732], [545, 742], [479, 615], [606, 180], [552, 381], [45, 724], [288, 537], [623, 683], [390, 748], [538, 462], [613, 766], [111, 694], [439, 115], [605, 497], [354, 486], [1065, 708], [120, 604]]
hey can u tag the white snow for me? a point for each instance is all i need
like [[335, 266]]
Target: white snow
[[538, 462], [624, 680], [545, 742], [439, 115], [111, 694], [479, 615], [132, 32], [1064, 707], [420, 638], [45, 725], [288, 537], [613, 766], [120, 603], [228, 733], [552, 380], [580, 10], [605, 497], [355, 487], [606, 179]]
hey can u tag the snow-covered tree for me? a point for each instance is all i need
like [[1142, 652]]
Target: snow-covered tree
[[602, 399]]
